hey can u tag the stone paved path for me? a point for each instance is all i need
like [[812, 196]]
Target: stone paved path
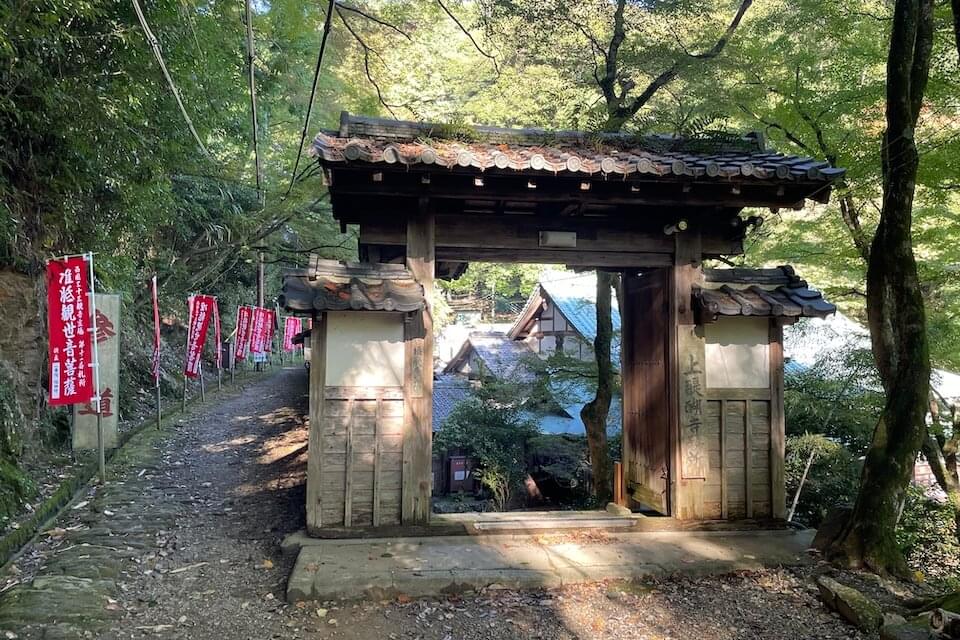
[[184, 543], [184, 537]]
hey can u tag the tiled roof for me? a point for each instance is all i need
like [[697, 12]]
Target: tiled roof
[[328, 285], [503, 357], [715, 158], [575, 296], [758, 292], [448, 392]]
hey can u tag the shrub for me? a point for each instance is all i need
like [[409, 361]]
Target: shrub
[[560, 466], [927, 534], [833, 478], [495, 435]]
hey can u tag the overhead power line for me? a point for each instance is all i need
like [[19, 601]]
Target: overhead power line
[[313, 92], [155, 45]]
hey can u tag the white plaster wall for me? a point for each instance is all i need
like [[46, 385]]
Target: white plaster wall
[[364, 349], [738, 353]]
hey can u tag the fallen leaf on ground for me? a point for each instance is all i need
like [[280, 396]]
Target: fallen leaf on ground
[[189, 567]]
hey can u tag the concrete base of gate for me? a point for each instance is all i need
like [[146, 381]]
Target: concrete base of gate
[[436, 565]]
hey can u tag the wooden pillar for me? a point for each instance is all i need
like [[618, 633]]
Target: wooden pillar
[[778, 498], [418, 373], [687, 383], [318, 374]]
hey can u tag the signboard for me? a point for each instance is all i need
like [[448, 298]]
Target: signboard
[[259, 333], [216, 334], [270, 323], [201, 308], [694, 457], [108, 354], [291, 327], [244, 329], [68, 318], [155, 362]]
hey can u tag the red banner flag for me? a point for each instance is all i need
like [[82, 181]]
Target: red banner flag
[[258, 336], [290, 329], [244, 326], [216, 333], [201, 308], [271, 329], [69, 320], [155, 364]]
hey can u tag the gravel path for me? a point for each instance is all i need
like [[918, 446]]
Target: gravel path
[[183, 542]]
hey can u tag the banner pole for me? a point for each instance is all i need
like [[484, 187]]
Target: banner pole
[[202, 394], [183, 399], [101, 455]]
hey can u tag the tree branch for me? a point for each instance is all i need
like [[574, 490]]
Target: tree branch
[[366, 62], [469, 35], [374, 18], [619, 112]]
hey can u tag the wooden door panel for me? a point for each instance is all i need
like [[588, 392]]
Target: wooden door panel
[[646, 428]]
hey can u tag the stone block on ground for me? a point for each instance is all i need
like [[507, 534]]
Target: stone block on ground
[[855, 607], [617, 509], [906, 631]]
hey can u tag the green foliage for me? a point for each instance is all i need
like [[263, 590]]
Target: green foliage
[[927, 535], [833, 478], [831, 399], [560, 465], [15, 486], [495, 436], [505, 283]]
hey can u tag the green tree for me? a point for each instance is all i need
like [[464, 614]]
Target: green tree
[[895, 308], [495, 435]]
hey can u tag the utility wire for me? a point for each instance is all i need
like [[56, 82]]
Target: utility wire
[[313, 92], [155, 45], [248, 15]]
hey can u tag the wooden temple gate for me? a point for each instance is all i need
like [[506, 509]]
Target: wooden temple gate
[[702, 351]]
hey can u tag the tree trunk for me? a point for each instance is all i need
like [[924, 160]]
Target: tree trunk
[[895, 310], [594, 413]]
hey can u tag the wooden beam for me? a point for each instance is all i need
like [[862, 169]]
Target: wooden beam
[[348, 468], [724, 490], [571, 257], [403, 181], [377, 462], [318, 363], [731, 393], [778, 452], [594, 235], [748, 456], [418, 374]]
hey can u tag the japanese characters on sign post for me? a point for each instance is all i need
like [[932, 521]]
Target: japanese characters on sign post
[[271, 324], [291, 327], [201, 308], [71, 347], [244, 329], [259, 334], [108, 355], [216, 333]]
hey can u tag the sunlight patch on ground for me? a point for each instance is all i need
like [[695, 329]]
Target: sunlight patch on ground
[[226, 445]]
